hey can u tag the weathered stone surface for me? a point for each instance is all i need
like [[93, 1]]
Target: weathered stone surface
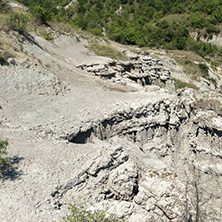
[[146, 155], [123, 181], [142, 69]]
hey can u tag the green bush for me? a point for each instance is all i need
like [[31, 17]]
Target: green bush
[[4, 7], [42, 14], [4, 161], [78, 213], [47, 36], [1, 5], [2, 58], [212, 29], [204, 70], [18, 22], [197, 20]]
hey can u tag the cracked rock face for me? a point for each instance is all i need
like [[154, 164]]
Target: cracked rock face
[[143, 155], [162, 154], [142, 69]]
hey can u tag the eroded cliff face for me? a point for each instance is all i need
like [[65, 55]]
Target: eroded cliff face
[[147, 154], [160, 161], [141, 69]]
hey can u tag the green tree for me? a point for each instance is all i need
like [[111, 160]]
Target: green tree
[[42, 14]]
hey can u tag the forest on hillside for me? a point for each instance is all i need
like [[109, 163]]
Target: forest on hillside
[[160, 23]]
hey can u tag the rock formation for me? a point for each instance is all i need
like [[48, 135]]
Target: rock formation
[[145, 155], [141, 68], [157, 162]]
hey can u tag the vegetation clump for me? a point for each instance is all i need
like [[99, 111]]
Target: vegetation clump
[[4, 161], [47, 36], [2, 58], [180, 84], [78, 213], [204, 70], [18, 22], [106, 50]]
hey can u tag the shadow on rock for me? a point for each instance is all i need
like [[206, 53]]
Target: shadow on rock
[[12, 172]]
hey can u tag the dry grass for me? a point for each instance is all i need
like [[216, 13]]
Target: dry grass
[[7, 47], [176, 18], [3, 19], [106, 50], [189, 61], [180, 84], [187, 55]]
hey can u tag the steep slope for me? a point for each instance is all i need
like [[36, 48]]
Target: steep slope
[[113, 132]]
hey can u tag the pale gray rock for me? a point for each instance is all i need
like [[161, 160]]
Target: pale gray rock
[[123, 181], [143, 154]]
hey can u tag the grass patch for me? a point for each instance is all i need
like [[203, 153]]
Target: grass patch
[[180, 84], [205, 73], [180, 18], [188, 54], [212, 80], [3, 18], [193, 65], [106, 50], [189, 67]]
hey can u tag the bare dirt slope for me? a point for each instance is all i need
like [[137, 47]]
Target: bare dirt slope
[[134, 152], [38, 110]]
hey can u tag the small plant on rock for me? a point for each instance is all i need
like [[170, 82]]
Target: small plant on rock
[[2, 59], [47, 36], [4, 161], [78, 213], [204, 70]]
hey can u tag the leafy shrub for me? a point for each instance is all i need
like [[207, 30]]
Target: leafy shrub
[[4, 161], [42, 14], [47, 36], [79, 214], [18, 22], [197, 20], [204, 70], [2, 58], [96, 31], [163, 24], [214, 64], [1, 5], [4, 6], [212, 29]]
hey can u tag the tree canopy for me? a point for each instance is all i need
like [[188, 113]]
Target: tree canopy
[[159, 23]]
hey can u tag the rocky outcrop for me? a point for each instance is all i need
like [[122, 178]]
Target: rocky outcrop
[[145, 156], [156, 161], [141, 68]]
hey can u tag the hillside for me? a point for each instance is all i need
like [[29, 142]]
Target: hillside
[[133, 131], [164, 23]]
